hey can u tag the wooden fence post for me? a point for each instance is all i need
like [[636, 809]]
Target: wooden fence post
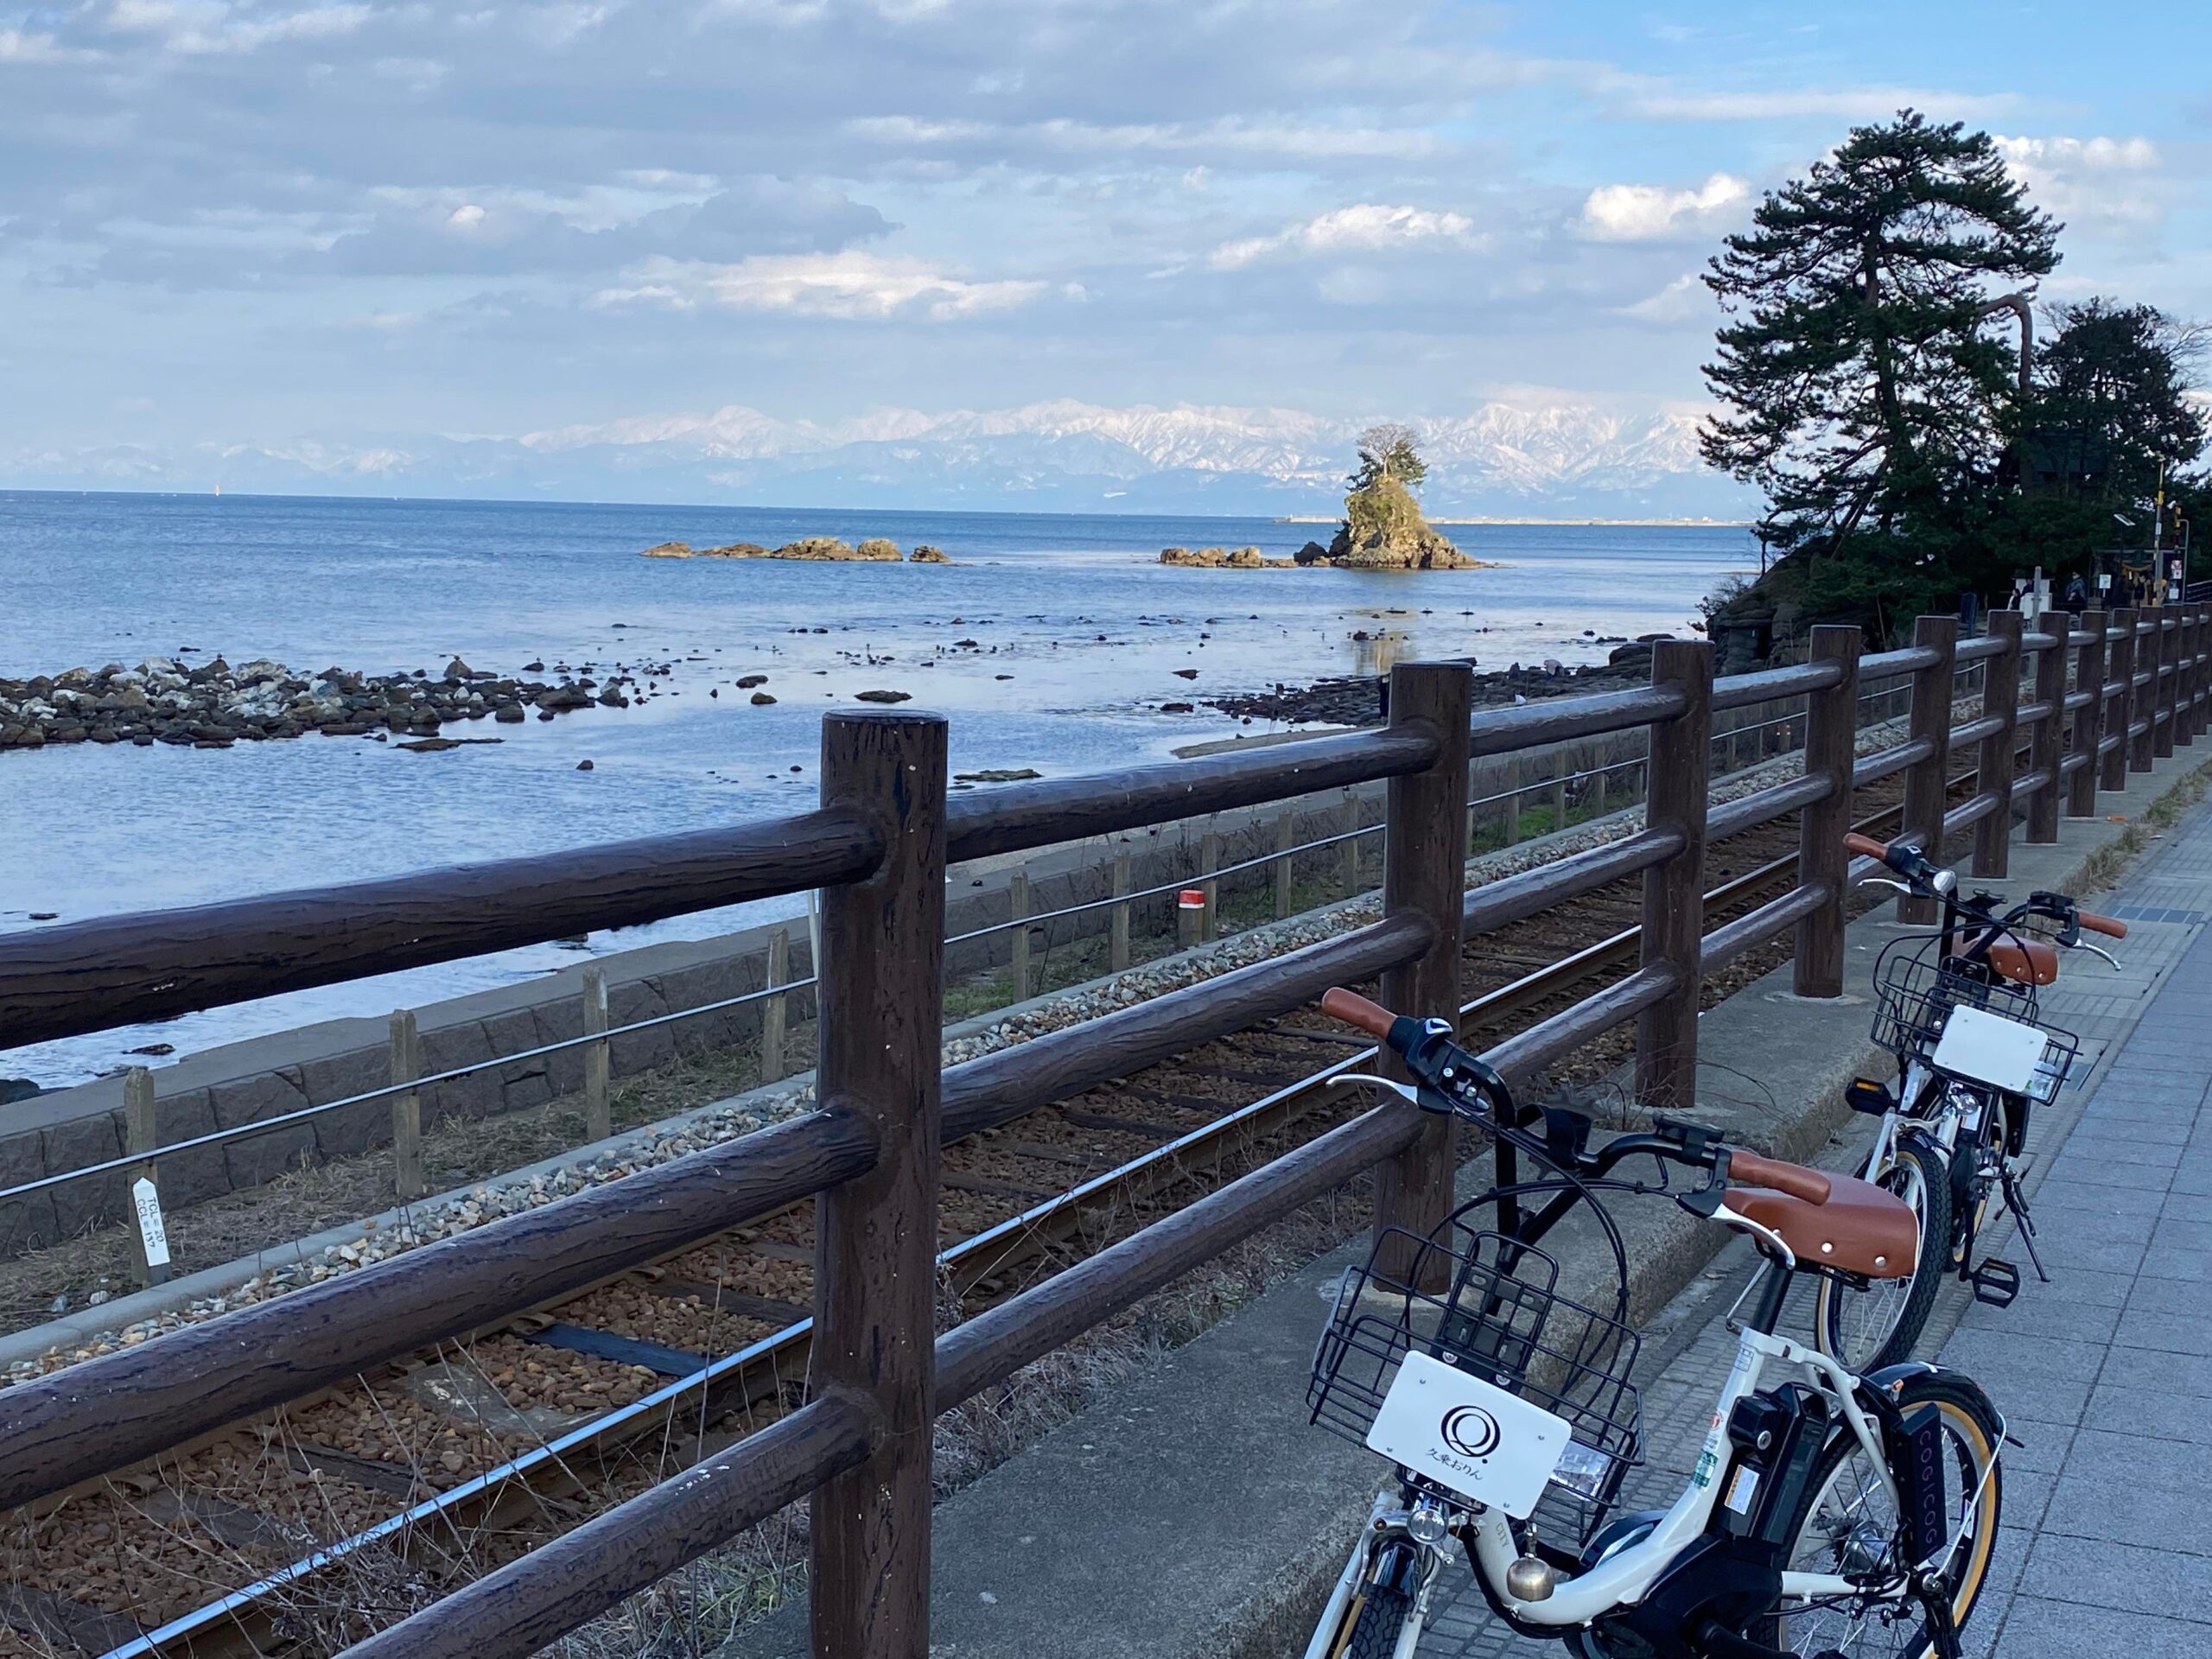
[[2168, 625], [599, 1107], [1674, 891], [881, 989], [2120, 667], [2192, 633], [2143, 707], [775, 1011], [1424, 872], [1351, 852], [1117, 955], [2048, 742], [1209, 861], [1286, 838], [1017, 893], [2000, 697], [1926, 782], [2203, 665], [1509, 814], [406, 1050], [2088, 719], [141, 1136], [1831, 734]]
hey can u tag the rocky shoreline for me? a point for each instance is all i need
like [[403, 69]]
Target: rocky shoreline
[[1356, 700], [214, 706], [876, 549], [1340, 556]]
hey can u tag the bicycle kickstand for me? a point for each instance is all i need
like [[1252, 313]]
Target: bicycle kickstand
[[2017, 1202]]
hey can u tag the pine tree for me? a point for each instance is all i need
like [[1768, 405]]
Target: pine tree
[[2112, 402], [1863, 376]]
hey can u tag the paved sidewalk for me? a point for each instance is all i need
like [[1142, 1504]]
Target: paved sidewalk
[[2105, 1375]]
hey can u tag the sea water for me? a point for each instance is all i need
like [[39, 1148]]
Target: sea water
[[1079, 634]]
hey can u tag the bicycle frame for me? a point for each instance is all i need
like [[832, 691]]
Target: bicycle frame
[[1625, 1576]]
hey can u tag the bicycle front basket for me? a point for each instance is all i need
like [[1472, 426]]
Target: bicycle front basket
[[1917, 989], [1488, 1307]]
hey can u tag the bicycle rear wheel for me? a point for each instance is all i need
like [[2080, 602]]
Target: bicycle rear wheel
[[1847, 1524]]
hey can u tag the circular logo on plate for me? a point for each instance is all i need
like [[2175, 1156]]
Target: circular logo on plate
[[1471, 1431]]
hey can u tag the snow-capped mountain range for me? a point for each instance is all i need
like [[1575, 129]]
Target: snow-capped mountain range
[[1560, 460]]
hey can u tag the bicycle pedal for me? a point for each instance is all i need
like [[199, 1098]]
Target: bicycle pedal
[[1995, 1282]]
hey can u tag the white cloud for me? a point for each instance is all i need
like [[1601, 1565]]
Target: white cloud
[[1647, 213], [198, 28], [1227, 137], [17, 47], [850, 285], [1848, 103], [1364, 227], [1681, 300], [2115, 184]]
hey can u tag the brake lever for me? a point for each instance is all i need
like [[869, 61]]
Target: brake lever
[[1405, 1091], [1886, 881], [2097, 950]]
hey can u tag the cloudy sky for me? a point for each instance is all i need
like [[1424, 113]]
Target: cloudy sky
[[230, 221]]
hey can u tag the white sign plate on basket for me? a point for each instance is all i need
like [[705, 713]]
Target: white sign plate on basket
[[1989, 1048], [1472, 1436]]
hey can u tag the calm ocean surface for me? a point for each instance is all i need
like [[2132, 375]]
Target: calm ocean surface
[[1075, 609]]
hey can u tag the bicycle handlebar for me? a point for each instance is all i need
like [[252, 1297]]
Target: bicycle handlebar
[[1358, 1012], [2105, 925], [1866, 846]]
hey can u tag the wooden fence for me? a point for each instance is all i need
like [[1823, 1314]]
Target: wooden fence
[[877, 847]]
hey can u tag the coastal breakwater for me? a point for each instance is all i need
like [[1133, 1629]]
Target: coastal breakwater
[[214, 706], [809, 550]]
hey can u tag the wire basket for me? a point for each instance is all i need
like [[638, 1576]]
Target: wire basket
[[1499, 1316], [1917, 988]]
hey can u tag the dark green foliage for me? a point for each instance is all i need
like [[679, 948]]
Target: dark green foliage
[[2112, 402], [1863, 376]]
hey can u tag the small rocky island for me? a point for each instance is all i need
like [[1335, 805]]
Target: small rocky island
[[876, 549], [212, 706], [1384, 527]]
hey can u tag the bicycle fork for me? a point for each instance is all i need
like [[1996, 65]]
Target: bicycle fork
[[1390, 1554]]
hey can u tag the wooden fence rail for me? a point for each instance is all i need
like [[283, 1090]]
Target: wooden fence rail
[[877, 848]]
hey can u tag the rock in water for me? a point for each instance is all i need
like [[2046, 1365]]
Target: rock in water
[[927, 555], [583, 766], [886, 696], [876, 548], [815, 547], [761, 699], [670, 550], [1383, 530]]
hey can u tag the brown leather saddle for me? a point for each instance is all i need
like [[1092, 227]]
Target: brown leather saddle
[[1862, 1228]]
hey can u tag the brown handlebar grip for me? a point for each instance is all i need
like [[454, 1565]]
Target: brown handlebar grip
[[2104, 925], [1749, 1169], [1356, 1010], [1865, 846]]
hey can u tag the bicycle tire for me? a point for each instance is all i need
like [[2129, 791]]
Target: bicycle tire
[[1382, 1615], [1911, 1161], [1975, 1433]]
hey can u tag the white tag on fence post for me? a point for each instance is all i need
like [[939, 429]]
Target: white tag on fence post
[[150, 1230]]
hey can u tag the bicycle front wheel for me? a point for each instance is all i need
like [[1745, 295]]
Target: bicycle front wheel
[[1383, 1617], [1846, 1524], [1864, 1329]]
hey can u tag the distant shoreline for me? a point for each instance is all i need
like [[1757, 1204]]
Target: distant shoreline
[[1596, 523]]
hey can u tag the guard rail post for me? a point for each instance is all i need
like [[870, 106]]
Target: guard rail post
[[1117, 945], [879, 993], [2120, 667], [2204, 663], [775, 1011], [1928, 781], [141, 1135], [1017, 901], [1424, 873], [2000, 700], [1286, 842], [2143, 705], [1673, 890], [2088, 720], [2048, 743], [406, 1052], [599, 1105], [1831, 734]]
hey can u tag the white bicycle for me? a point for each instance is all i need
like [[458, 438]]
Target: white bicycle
[[1827, 1513]]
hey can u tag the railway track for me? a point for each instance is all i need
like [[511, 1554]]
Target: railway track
[[343, 1510]]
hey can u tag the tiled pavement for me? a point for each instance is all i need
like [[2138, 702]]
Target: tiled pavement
[[2105, 1374]]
